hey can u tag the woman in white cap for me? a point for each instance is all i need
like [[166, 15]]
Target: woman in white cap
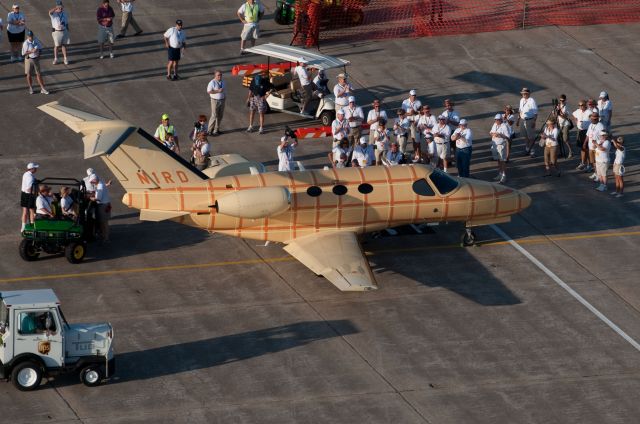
[[16, 27], [606, 110], [285, 153], [60, 31], [464, 140], [28, 194]]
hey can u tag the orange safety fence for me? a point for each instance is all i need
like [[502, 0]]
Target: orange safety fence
[[352, 20]]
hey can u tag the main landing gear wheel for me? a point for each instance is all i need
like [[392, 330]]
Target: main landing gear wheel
[[468, 237]]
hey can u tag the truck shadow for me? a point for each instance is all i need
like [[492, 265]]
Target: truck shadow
[[202, 354]]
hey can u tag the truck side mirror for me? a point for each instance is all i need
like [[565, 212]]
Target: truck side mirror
[[48, 322]]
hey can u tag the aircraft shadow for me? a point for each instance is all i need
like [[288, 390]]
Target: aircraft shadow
[[174, 359]]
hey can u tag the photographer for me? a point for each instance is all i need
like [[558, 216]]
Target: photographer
[[285, 151], [564, 123]]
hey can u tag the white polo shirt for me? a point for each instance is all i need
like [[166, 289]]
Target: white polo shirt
[[43, 204], [551, 136], [426, 122], [605, 110], [407, 104], [342, 98], [443, 132], [285, 157], [176, 38], [59, 20], [528, 108], [502, 129], [102, 193], [302, 74], [593, 134], [28, 180], [353, 112], [453, 119], [620, 154], [582, 118], [339, 129], [466, 138], [15, 29], [602, 156], [364, 155], [127, 6], [376, 115], [381, 139], [214, 84], [30, 45]]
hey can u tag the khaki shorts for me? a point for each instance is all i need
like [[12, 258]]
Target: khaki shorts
[[105, 34], [618, 169], [30, 64], [601, 169], [60, 38], [442, 150], [499, 151], [250, 31]]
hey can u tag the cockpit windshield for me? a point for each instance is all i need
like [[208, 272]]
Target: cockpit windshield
[[443, 182]]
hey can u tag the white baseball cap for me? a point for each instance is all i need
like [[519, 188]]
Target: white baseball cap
[[32, 165], [603, 94], [442, 117], [93, 177], [352, 99], [603, 132], [302, 60], [283, 138], [340, 112], [463, 121], [363, 140], [90, 171], [412, 93], [498, 116]]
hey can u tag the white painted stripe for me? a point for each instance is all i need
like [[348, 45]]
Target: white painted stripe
[[565, 286]]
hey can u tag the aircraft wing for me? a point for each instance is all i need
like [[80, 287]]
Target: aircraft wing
[[336, 256]]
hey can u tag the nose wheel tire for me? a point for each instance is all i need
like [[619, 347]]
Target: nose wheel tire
[[468, 238], [26, 376], [91, 376]]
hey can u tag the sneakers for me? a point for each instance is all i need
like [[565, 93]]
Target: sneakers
[[111, 55], [175, 77], [30, 90], [613, 193], [13, 59], [503, 179], [593, 177], [601, 188], [55, 61], [589, 168], [101, 56], [242, 52], [66, 62], [260, 131], [250, 129], [569, 156], [580, 167], [497, 177], [547, 173], [619, 194], [532, 154], [44, 91]]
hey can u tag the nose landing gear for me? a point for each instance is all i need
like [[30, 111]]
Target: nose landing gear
[[468, 238]]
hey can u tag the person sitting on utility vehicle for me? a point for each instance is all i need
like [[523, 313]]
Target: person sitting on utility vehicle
[[44, 204], [67, 204]]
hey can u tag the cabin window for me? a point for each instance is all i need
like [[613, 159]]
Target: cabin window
[[365, 188], [314, 191], [443, 181], [422, 188], [339, 190]]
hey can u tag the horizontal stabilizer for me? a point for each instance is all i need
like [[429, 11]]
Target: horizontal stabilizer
[[158, 215]]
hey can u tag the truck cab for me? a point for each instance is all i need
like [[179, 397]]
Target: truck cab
[[37, 341]]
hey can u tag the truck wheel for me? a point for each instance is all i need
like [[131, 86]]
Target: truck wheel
[[91, 375], [326, 117], [26, 376], [75, 252], [28, 251]]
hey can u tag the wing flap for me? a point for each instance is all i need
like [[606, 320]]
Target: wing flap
[[336, 256]]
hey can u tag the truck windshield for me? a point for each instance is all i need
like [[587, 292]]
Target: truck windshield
[[64, 320]]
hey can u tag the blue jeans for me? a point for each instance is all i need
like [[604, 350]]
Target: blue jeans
[[463, 161]]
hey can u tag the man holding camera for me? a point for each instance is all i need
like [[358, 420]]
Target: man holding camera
[[285, 152], [564, 123]]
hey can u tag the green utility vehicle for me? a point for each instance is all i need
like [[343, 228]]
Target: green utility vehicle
[[60, 234]]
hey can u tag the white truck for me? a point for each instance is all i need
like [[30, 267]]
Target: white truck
[[37, 341]]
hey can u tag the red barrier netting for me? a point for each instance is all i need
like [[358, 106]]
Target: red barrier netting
[[350, 20]]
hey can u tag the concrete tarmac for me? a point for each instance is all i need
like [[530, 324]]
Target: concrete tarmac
[[215, 329]]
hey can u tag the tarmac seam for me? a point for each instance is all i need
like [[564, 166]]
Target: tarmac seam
[[66, 402]]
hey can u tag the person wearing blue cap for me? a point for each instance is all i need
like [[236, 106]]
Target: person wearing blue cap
[[31, 49], [60, 31], [175, 41]]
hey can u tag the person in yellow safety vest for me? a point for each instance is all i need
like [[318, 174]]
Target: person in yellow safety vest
[[162, 132], [249, 14]]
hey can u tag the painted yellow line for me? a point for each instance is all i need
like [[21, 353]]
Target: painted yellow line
[[535, 240]]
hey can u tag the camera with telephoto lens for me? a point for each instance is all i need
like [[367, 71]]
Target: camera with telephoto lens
[[288, 132], [555, 102]]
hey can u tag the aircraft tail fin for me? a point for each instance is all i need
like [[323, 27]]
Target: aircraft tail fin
[[136, 159]]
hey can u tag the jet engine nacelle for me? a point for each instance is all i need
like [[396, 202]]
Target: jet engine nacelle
[[254, 203]]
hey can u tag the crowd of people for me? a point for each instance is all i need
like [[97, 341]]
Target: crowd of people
[[416, 135]]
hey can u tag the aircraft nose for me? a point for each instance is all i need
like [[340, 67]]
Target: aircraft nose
[[525, 200]]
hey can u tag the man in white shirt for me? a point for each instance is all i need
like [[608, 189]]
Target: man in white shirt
[[338, 152], [16, 27], [250, 14], [382, 141], [453, 119], [373, 117], [527, 115], [442, 136], [363, 154], [127, 18], [216, 90], [412, 102], [305, 83], [285, 153], [60, 31], [175, 40], [581, 118], [341, 91], [593, 135], [500, 134], [464, 140], [562, 110], [103, 207], [28, 194], [43, 204], [354, 116], [31, 49], [401, 128], [426, 121], [339, 128], [603, 145], [605, 109]]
